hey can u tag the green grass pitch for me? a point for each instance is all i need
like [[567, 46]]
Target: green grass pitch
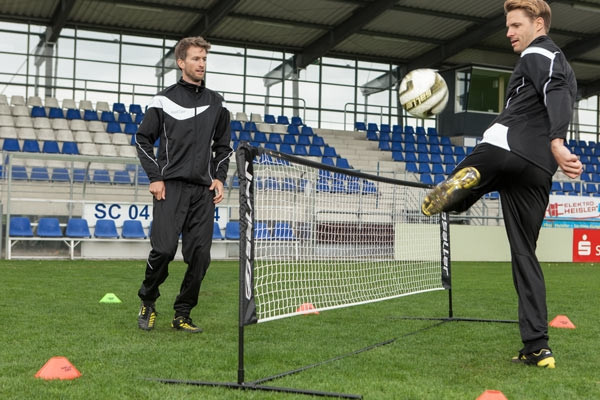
[[52, 308]]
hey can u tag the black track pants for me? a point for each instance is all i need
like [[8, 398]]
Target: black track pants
[[187, 209], [524, 193]]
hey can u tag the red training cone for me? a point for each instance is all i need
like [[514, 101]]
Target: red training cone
[[306, 308], [561, 321], [58, 368], [492, 395]]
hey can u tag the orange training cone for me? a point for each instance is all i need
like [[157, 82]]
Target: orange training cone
[[307, 308], [492, 395], [58, 368], [561, 321]]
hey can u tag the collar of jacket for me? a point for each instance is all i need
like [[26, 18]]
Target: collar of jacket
[[191, 86]]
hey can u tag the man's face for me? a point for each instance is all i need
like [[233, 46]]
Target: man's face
[[522, 29], [193, 67]]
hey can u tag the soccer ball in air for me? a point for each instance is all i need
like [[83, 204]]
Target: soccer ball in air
[[423, 93]]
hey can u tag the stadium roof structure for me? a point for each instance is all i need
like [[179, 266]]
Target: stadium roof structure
[[406, 33]]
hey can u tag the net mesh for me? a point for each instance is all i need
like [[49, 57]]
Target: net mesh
[[327, 239]]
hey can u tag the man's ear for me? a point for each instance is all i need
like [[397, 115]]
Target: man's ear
[[539, 24], [180, 63]]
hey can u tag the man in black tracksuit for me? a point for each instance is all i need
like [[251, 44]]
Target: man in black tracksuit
[[186, 179], [517, 157]]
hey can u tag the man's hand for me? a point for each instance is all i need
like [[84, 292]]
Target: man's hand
[[157, 189], [567, 161], [217, 186]]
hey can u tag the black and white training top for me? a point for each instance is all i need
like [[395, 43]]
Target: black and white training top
[[192, 124], [539, 104]]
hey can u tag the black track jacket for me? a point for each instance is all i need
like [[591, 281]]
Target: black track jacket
[[539, 104], [192, 124]]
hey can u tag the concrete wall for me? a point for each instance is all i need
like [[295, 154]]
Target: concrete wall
[[489, 243]]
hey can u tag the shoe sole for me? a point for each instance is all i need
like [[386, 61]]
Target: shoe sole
[[548, 362], [446, 191], [199, 330]]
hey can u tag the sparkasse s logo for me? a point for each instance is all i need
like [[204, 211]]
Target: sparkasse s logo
[[586, 245]]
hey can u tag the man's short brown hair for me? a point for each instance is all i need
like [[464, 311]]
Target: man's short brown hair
[[184, 44], [533, 9]]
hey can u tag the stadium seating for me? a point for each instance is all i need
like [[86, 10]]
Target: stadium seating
[[106, 228], [217, 235], [133, 229], [77, 228], [49, 227], [20, 227]]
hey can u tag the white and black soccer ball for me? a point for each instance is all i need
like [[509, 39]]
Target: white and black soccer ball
[[423, 93]]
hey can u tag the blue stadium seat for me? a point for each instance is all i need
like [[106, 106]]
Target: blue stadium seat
[[384, 145], [296, 120], [11, 144], [113, 127], [271, 146], [107, 116], [245, 136], [426, 179], [138, 118], [124, 118], [397, 156], [130, 128], [106, 229], [56, 112], [371, 126], [236, 125], [69, 148], [423, 157], [369, 187], [261, 231], [289, 139], [409, 129], [38, 111], [101, 176], [80, 175], [322, 185], [342, 162], [286, 148], [300, 150], [315, 151], [318, 140], [74, 114], [250, 126], [119, 108], [293, 130], [556, 187], [304, 140], [329, 151], [275, 138], [19, 173], [432, 131], [360, 126], [142, 178], [396, 146], [39, 174], [260, 137], [385, 128], [372, 135], [307, 130], [283, 120], [270, 119], [217, 235], [60, 175], [77, 228], [411, 167], [20, 226], [232, 230], [133, 229], [122, 177], [283, 231], [135, 109], [396, 129], [49, 227], [31, 146], [90, 115]]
